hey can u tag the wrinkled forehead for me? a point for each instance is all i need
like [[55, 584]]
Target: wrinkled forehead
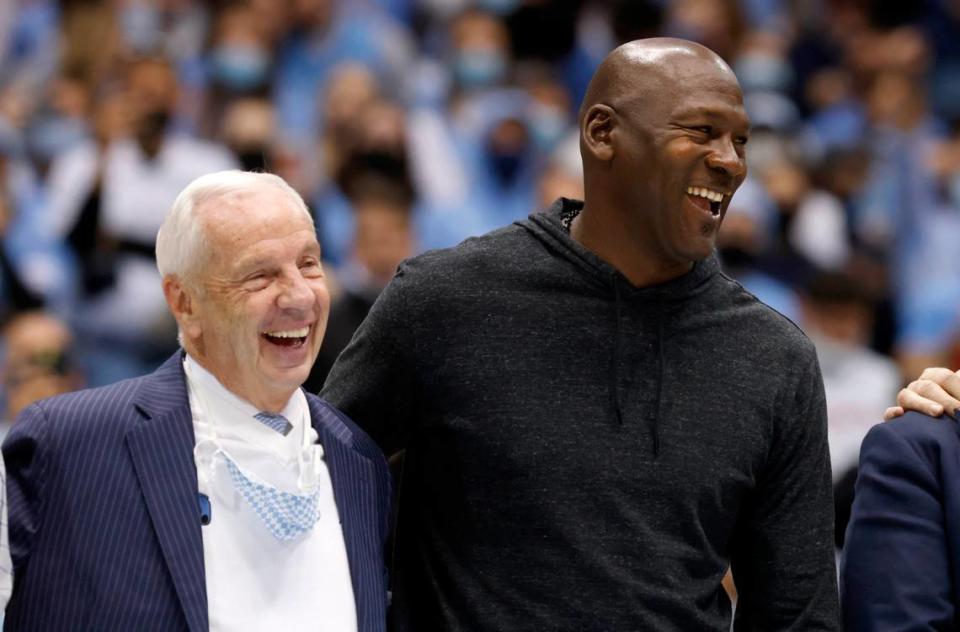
[[233, 223]]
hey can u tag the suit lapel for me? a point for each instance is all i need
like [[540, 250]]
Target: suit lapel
[[161, 448], [352, 476]]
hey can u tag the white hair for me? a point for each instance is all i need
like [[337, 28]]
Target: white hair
[[181, 238]]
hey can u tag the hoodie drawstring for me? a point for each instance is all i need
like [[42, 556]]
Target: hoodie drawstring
[[615, 373], [654, 415]]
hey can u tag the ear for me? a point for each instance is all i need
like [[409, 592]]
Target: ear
[[596, 131], [183, 305]]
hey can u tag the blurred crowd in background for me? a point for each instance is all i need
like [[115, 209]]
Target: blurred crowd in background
[[413, 124]]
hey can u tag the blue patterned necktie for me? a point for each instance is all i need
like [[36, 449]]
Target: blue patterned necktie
[[275, 422]]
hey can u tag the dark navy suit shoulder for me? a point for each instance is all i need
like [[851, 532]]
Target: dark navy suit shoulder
[[902, 551], [917, 428]]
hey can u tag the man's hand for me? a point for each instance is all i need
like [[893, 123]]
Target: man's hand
[[937, 390]]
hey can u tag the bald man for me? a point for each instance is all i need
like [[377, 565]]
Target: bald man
[[597, 422]]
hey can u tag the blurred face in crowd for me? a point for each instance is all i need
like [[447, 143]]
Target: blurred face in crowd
[[677, 143], [717, 24], [311, 14], [507, 146], [482, 50], [377, 147], [383, 237], [895, 100], [549, 118], [240, 59], [351, 89], [249, 129], [846, 322], [383, 125], [260, 311], [37, 360], [152, 91]]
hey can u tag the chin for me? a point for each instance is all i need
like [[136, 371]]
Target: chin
[[289, 377]]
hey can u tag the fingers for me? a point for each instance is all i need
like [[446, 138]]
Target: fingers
[[948, 380], [936, 391], [925, 397]]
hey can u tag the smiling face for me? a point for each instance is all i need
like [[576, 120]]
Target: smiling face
[[678, 156], [260, 316]]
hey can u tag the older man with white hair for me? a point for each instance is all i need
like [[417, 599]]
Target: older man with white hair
[[213, 493]]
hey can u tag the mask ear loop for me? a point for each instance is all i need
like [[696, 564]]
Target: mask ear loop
[[204, 455], [309, 458]]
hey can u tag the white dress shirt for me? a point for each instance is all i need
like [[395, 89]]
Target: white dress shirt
[[6, 564], [254, 580]]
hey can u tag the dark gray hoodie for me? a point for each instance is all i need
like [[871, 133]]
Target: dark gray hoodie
[[584, 455]]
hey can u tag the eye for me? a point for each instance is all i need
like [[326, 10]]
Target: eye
[[703, 129], [311, 266], [741, 140], [256, 280]]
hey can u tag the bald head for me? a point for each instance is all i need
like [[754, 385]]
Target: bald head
[[663, 134], [647, 68]]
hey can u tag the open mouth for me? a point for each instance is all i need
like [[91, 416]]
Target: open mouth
[[707, 199], [287, 338]]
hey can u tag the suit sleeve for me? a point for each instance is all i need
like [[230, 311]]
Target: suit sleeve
[[782, 556], [896, 569], [373, 380], [26, 467]]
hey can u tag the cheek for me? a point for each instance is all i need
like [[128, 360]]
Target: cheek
[[322, 295]]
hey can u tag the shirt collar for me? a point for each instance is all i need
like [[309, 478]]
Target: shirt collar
[[223, 404]]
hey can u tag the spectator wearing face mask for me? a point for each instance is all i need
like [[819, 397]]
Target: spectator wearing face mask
[[237, 64], [319, 36], [249, 129], [372, 142]]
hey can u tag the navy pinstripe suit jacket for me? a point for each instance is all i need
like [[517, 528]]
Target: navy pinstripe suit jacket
[[104, 517]]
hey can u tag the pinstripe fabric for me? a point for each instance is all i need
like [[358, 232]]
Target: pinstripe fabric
[[104, 523], [361, 488]]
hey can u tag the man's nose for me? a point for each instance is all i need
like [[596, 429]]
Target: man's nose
[[296, 293], [724, 157]]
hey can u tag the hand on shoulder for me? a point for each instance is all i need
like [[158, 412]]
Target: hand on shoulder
[[936, 391]]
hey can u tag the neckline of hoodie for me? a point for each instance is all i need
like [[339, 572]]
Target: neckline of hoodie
[[547, 224]]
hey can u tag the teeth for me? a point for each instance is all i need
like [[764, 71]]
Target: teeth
[[713, 196], [292, 333]]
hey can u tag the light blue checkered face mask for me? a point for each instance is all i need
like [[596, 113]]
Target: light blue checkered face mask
[[286, 515]]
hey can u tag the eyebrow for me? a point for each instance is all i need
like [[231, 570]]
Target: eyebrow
[[244, 265], [683, 116]]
